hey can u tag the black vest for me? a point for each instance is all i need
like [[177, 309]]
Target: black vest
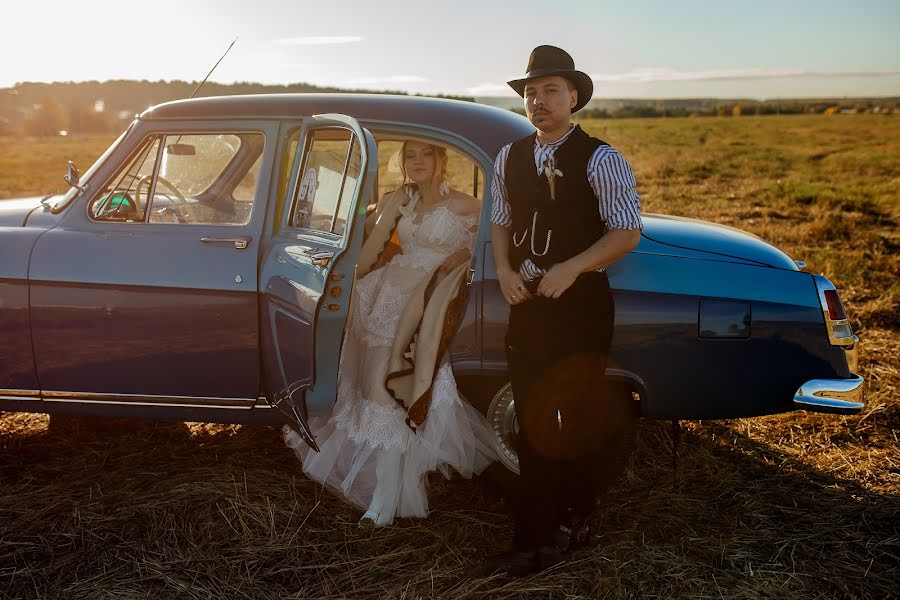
[[573, 217]]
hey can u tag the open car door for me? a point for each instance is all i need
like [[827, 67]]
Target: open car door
[[307, 269]]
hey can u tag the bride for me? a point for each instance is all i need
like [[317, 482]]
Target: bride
[[376, 446]]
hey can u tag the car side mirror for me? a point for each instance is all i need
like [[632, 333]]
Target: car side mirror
[[72, 177]]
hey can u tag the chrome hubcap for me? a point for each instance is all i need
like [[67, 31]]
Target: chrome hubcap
[[502, 418]]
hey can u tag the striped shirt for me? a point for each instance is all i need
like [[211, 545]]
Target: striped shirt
[[610, 178]]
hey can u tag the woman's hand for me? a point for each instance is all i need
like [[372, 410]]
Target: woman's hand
[[453, 261]]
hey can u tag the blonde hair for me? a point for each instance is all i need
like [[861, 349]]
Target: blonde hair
[[440, 164]]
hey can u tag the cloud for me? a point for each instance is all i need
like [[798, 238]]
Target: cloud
[[827, 74], [319, 40], [387, 80], [653, 74], [490, 89]]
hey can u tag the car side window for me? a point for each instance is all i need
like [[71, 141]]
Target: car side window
[[327, 181], [207, 178], [120, 200]]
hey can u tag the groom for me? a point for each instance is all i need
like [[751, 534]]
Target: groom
[[564, 208]]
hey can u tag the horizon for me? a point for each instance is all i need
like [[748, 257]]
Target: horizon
[[646, 49], [508, 98]]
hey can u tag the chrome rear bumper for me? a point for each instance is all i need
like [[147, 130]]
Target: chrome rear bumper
[[837, 396]]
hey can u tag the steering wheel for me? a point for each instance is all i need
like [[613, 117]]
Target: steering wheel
[[160, 179], [114, 206]]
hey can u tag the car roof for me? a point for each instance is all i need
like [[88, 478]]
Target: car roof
[[488, 127]]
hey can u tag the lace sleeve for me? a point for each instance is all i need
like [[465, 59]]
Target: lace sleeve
[[470, 223]]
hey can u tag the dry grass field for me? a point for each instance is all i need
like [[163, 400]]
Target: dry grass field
[[789, 506]]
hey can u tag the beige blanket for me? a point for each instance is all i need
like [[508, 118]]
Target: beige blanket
[[428, 322]]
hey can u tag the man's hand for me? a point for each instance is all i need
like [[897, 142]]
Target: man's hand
[[512, 286], [558, 279]]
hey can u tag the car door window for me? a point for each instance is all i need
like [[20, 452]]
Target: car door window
[[207, 178], [327, 182], [289, 155], [352, 176], [124, 197]]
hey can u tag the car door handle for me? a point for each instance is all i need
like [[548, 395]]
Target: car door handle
[[318, 257], [240, 242]]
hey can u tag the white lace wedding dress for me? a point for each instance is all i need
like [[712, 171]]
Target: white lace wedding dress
[[367, 453]]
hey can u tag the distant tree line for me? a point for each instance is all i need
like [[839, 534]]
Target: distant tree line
[[624, 109], [93, 107], [747, 107]]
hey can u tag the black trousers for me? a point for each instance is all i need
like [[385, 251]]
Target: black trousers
[[557, 353]]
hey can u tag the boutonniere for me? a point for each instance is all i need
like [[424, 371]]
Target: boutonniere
[[551, 172]]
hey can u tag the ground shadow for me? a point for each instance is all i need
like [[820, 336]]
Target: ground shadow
[[223, 511]]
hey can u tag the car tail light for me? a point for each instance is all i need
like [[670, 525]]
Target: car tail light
[[839, 330], [835, 306]]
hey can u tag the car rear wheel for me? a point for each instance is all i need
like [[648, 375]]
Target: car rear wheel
[[615, 436]]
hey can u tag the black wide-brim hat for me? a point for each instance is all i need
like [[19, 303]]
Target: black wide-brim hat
[[550, 60]]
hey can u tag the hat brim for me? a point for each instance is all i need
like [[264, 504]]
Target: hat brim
[[582, 82]]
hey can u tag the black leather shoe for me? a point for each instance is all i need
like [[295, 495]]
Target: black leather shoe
[[548, 556], [562, 538], [579, 530], [519, 563], [512, 562]]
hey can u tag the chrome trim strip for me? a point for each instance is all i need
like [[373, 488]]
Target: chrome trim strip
[[262, 403], [836, 396], [156, 404], [20, 394], [148, 404], [20, 398], [192, 401]]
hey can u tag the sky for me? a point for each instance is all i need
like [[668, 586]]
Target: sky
[[631, 48]]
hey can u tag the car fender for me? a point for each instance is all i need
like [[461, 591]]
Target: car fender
[[17, 372]]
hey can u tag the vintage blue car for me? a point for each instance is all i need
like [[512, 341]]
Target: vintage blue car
[[202, 268]]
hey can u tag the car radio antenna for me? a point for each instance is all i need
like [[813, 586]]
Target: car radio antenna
[[200, 85]]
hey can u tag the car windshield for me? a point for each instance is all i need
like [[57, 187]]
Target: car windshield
[[73, 191]]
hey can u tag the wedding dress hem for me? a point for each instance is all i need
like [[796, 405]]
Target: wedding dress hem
[[367, 453]]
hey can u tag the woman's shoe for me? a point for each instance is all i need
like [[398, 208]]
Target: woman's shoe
[[368, 520]]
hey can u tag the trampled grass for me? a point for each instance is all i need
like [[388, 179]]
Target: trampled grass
[[797, 505]]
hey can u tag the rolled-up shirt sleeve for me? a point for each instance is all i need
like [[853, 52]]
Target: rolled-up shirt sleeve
[[613, 183], [500, 212]]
